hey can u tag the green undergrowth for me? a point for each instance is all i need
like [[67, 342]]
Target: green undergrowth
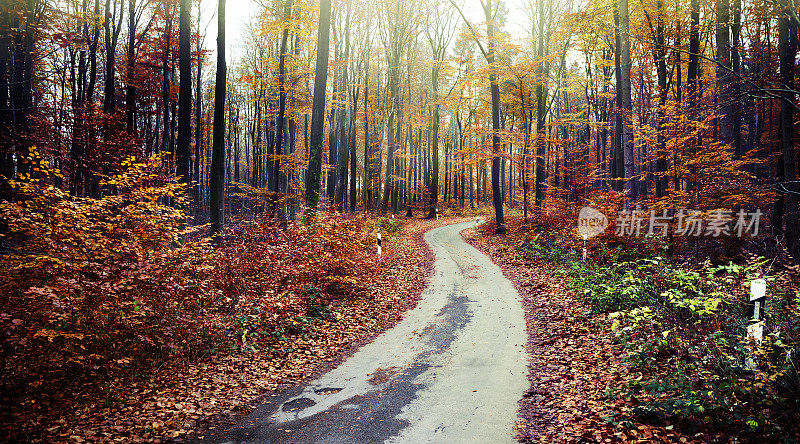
[[682, 325]]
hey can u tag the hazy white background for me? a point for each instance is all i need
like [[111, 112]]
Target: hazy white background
[[239, 12]]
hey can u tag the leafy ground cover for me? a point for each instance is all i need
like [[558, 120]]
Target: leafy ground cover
[[123, 325], [632, 345]]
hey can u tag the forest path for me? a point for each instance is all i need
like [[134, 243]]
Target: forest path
[[451, 371]]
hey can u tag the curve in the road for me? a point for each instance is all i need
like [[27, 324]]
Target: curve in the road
[[451, 371]]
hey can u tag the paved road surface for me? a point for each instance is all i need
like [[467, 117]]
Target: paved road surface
[[451, 371]]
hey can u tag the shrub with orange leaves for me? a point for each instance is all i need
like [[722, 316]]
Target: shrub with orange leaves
[[269, 265], [90, 286], [95, 288]]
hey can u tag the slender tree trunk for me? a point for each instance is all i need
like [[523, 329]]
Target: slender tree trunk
[[6, 147], [724, 79], [93, 41], [217, 174], [352, 143], [130, 94], [787, 48], [541, 115], [735, 102], [198, 142], [497, 197], [367, 152], [694, 51], [111, 36], [184, 92], [318, 111], [166, 88], [280, 126], [627, 107], [660, 58]]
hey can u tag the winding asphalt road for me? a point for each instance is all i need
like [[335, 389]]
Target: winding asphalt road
[[451, 371]]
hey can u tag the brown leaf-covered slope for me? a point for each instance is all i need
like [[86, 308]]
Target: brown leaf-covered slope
[[178, 399], [572, 362]]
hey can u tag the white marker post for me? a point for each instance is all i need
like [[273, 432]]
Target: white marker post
[[584, 247], [379, 245], [755, 326], [437, 214]]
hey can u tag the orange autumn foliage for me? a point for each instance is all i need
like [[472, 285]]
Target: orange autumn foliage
[[99, 287]]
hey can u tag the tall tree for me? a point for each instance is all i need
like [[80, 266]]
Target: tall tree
[[184, 92], [439, 33], [280, 126], [787, 49], [490, 10], [217, 174], [627, 106], [660, 59], [724, 79], [541, 107], [130, 91], [318, 111], [395, 40], [112, 30]]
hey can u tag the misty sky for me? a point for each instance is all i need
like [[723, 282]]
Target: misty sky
[[238, 13]]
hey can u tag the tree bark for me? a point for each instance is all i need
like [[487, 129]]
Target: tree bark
[[280, 126], [724, 79], [787, 49], [497, 197], [184, 92], [318, 111], [627, 107], [217, 173], [130, 93]]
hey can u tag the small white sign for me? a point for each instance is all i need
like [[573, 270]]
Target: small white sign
[[758, 288]]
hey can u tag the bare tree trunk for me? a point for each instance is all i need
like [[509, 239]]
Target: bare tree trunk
[[198, 142], [130, 93], [166, 88], [112, 31], [497, 197], [6, 146], [184, 92], [217, 174], [724, 98], [627, 107], [541, 114], [280, 126], [318, 111], [660, 58], [787, 49]]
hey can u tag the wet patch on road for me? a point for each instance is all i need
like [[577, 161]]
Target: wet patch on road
[[367, 418], [455, 316]]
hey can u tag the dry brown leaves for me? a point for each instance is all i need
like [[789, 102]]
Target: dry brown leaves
[[572, 362], [178, 402]]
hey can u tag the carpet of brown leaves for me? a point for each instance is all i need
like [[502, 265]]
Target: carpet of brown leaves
[[572, 361], [180, 401]]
